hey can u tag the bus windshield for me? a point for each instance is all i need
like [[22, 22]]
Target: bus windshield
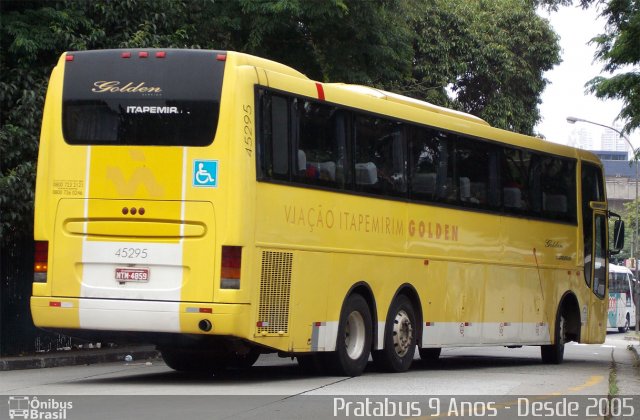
[[142, 97]]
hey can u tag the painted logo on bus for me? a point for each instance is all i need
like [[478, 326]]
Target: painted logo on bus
[[115, 86]]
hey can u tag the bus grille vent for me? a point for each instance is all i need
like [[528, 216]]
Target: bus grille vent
[[275, 290]]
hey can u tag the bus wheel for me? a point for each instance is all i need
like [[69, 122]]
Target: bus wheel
[[626, 325], [354, 338], [554, 353], [430, 355], [399, 337]]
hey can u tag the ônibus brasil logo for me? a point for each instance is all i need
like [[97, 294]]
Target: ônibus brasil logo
[[22, 407]]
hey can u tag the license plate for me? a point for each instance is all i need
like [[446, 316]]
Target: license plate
[[132, 274]]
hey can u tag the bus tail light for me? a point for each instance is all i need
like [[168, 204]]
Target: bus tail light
[[40, 262], [231, 263]]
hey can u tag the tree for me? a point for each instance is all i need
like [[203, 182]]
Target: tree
[[619, 49], [489, 54], [33, 35]]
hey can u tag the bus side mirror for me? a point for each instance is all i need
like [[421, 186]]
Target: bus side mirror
[[618, 236]]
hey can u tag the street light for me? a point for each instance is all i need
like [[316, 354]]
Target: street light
[[634, 248]]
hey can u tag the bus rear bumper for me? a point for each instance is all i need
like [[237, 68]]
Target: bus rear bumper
[[139, 315]]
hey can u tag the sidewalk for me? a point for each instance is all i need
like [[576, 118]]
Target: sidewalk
[[628, 367], [77, 357]]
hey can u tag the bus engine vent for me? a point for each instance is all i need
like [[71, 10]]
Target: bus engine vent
[[275, 290]]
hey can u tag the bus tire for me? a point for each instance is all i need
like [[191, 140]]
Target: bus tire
[[399, 337], [627, 322], [430, 355], [554, 353], [353, 344]]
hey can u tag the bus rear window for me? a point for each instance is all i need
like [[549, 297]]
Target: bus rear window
[[142, 97]]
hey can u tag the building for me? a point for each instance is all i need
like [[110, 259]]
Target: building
[[621, 177], [611, 140]]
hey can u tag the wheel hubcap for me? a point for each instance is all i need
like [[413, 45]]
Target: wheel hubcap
[[354, 336], [402, 333]]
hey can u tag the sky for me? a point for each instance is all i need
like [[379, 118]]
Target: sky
[[566, 96]]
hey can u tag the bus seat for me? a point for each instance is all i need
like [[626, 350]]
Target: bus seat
[[327, 170], [425, 183], [465, 188], [366, 173], [512, 197], [554, 202], [323, 170], [302, 160], [479, 191]]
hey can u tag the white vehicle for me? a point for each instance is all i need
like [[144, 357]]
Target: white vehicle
[[622, 305]]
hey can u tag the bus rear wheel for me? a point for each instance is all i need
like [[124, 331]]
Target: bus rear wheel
[[399, 337], [554, 353], [353, 344], [627, 323]]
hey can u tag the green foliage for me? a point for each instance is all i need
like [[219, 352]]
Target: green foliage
[[630, 222], [32, 36], [489, 54], [619, 49]]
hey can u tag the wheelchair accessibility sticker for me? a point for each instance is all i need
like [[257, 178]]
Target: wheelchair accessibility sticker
[[205, 173]]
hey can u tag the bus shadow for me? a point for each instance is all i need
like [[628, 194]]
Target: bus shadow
[[289, 371]]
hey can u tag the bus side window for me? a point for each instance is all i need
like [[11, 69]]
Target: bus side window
[[515, 180], [320, 144], [477, 164], [280, 135], [379, 156], [274, 137], [558, 189], [424, 160]]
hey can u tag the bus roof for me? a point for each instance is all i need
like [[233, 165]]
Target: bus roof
[[394, 97], [478, 127], [619, 269]]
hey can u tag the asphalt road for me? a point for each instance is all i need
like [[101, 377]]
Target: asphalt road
[[495, 378]]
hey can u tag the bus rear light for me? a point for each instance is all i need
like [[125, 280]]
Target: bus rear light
[[196, 310], [231, 264], [161, 54], [143, 54], [40, 261], [125, 55], [58, 304], [69, 57], [221, 57]]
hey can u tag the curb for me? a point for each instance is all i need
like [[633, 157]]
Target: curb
[[77, 357], [634, 350]]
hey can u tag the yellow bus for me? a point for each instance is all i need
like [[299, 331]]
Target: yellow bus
[[221, 206]]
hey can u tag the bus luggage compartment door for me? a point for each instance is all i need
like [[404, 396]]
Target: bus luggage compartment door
[[166, 253]]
